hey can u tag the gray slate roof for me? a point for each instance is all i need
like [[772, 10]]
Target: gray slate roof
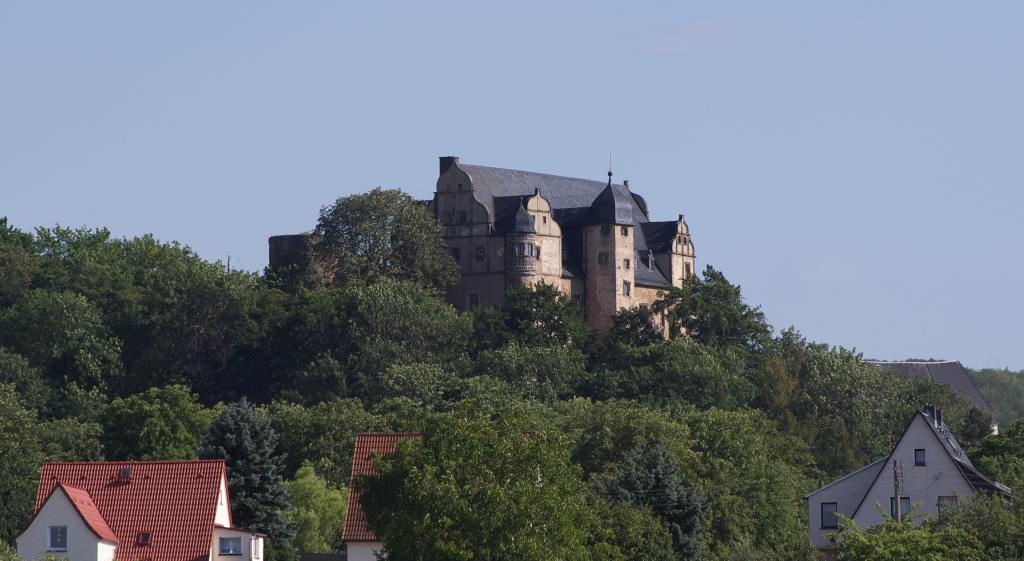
[[951, 373]]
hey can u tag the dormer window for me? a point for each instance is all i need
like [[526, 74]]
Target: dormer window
[[125, 473], [144, 538]]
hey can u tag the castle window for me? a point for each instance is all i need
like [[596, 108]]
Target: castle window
[[544, 219], [625, 231], [462, 218], [687, 269], [481, 254], [625, 264], [578, 298], [460, 186], [529, 249], [521, 249], [602, 258], [474, 299], [606, 230], [625, 288], [538, 253], [456, 254]]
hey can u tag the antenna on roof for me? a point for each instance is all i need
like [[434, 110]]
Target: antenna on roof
[[609, 167]]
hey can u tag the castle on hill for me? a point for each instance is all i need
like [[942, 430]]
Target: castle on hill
[[592, 240]]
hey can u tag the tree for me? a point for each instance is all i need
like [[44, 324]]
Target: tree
[[159, 424], [20, 458], [71, 440], [319, 512], [383, 236], [712, 311], [902, 541], [17, 268], [652, 478], [537, 315], [478, 489], [543, 373], [635, 327], [244, 439]]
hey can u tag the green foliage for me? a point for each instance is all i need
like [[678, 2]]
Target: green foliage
[[383, 236], [423, 384], [712, 311], [20, 458], [8, 552], [159, 424], [653, 479], [1003, 390], [244, 439], [17, 268], [478, 489], [901, 541], [71, 440], [543, 373], [29, 382], [323, 435], [635, 327], [537, 315], [319, 512], [637, 532]]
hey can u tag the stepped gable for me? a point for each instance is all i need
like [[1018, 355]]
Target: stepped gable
[[367, 443], [175, 501]]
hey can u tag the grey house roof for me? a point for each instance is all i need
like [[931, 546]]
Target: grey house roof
[[950, 372]]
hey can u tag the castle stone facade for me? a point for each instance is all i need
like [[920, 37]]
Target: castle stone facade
[[590, 239]]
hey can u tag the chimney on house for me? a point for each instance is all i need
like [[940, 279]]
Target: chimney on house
[[938, 419], [625, 183], [930, 410]]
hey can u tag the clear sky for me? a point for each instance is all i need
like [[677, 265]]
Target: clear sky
[[855, 166]]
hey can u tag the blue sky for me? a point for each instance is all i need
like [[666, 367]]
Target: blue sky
[[856, 166]]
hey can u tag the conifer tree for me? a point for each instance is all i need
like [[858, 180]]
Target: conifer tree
[[243, 438], [652, 478]]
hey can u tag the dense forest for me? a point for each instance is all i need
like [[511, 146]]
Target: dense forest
[[701, 444]]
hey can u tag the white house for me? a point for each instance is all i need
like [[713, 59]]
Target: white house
[[136, 511], [930, 468]]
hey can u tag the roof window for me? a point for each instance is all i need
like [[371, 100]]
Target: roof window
[[125, 473], [144, 538]]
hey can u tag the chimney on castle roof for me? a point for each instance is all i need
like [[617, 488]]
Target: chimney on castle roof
[[447, 162]]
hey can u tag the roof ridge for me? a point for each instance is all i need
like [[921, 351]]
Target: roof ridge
[[544, 174], [136, 462]]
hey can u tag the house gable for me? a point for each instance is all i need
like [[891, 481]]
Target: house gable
[[939, 476], [176, 503], [88, 537]]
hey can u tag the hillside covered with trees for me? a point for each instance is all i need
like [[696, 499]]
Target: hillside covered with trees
[[701, 445]]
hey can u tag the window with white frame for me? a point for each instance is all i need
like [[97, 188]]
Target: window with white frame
[[904, 506], [945, 503], [58, 538], [231, 546]]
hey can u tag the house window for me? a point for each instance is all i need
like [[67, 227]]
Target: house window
[[625, 231], [828, 515], [58, 538], [606, 230], [474, 299], [625, 264], [625, 288], [602, 258], [456, 254], [481, 254], [231, 546], [946, 503], [904, 506], [462, 217], [144, 538], [919, 457]]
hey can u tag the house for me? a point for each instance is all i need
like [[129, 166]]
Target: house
[[136, 511], [363, 545], [505, 228], [590, 239], [949, 372], [926, 463]]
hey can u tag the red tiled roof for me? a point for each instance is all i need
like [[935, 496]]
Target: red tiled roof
[[175, 502], [362, 464], [87, 510]]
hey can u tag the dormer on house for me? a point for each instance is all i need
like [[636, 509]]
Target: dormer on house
[[136, 511], [926, 465]]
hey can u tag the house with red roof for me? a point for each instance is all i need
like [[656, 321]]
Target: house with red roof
[[136, 511], [363, 545]]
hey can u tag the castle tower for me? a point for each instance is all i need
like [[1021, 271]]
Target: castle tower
[[609, 256], [521, 250]]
